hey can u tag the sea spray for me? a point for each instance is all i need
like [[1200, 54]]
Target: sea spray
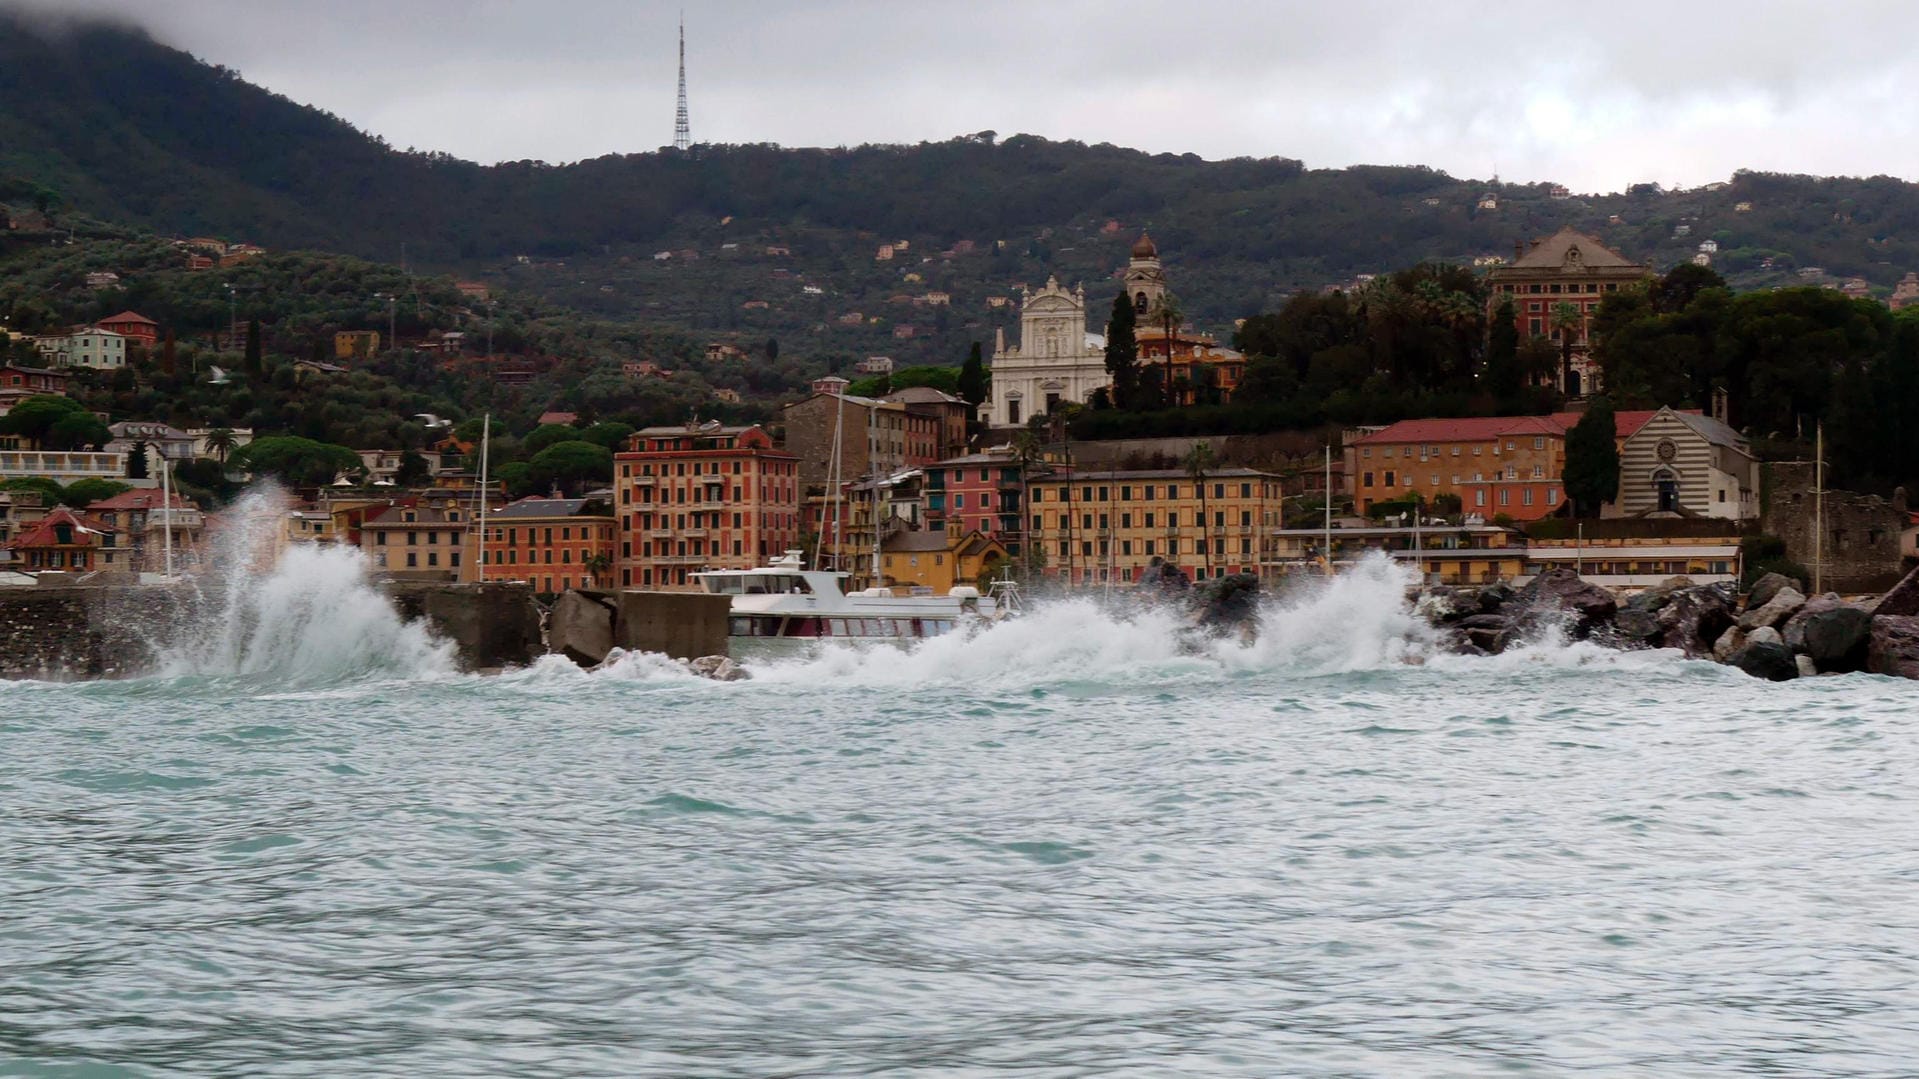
[[302, 612]]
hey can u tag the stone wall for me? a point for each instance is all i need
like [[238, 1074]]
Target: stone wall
[[1861, 531]]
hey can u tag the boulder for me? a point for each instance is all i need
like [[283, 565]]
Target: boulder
[[1693, 619], [1894, 646], [1228, 602], [1902, 601], [1769, 661], [1586, 605], [1807, 668], [1494, 596], [1766, 587], [1780, 607], [1489, 633], [580, 628], [1794, 629], [1656, 597], [718, 668], [1729, 644], [1765, 635], [1635, 625], [1838, 639]]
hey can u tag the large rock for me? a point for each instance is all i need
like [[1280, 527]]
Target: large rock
[[1767, 587], [1765, 635], [580, 628], [1729, 644], [1902, 601], [1769, 661], [1585, 605], [1894, 647], [1837, 639], [1794, 629], [1774, 611], [1489, 633], [1693, 619], [1637, 625], [1228, 603]]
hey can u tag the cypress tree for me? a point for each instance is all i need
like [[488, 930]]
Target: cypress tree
[[1504, 379], [253, 362], [972, 379], [1592, 459], [1122, 353]]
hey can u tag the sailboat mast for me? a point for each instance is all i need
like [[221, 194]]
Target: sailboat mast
[[1328, 548], [166, 507], [833, 486], [1819, 510], [486, 447]]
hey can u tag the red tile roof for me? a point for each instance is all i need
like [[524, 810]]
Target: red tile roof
[[138, 499], [41, 534], [1625, 424], [1465, 429], [128, 316]]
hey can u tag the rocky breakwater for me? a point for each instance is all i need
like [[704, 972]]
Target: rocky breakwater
[[587, 628], [1777, 632]]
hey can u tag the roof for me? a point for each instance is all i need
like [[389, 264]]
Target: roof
[[977, 459], [25, 370], [1712, 430], [914, 542], [139, 498], [681, 430], [1625, 424], [563, 418], [1156, 474], [423, 515], [923, 395], [1551, 253], [41, 534], [129, 316], [1463, 429], [532, 508], [1145, 248]]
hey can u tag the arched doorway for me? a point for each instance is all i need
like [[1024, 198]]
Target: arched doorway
[[1665, 484]]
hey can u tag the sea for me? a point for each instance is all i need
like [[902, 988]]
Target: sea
[[1075, 844]]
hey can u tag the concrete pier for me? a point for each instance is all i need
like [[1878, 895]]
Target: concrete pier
[[684, 625]]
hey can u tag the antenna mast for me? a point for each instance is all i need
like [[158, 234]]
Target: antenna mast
[[682, 132]]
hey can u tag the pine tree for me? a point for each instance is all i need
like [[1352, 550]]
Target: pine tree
[[972, 379], [253, 361], [1504, 378], [1122, 353], [1592, 459]]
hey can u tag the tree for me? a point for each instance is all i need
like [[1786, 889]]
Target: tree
[[302, 462], [413, 470], [772, 349], [1504, 378], [609, 433], [570, 465], [50, 492], [221, 442], [1199, 463], [254, 362], [77, 431], [1170, 318], [137, 464], [34, 417], [550, 434], [1122, 352], [599, 564], [83, 493], [1566, 321], [1592, 459], [972, 382], [1675, 292]]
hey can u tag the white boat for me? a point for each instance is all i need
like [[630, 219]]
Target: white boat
[[787, 600]]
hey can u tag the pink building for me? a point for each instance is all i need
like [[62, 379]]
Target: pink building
[[976, 493]]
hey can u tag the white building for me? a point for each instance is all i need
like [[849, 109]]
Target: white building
[[1056, 361], [159, 439], [1680, 464], [89, 346]]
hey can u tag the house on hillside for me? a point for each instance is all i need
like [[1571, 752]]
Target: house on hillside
[[66, 541]]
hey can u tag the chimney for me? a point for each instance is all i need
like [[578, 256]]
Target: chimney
[[1719, 403]]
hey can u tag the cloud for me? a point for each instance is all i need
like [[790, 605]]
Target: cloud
[[1596, 97]]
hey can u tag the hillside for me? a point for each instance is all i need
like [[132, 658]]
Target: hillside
[[101, 119]]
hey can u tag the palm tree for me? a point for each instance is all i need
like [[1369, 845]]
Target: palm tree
[[597, 564], [1027, 450], [1565, 320], [1198, 462], [221, 441], [1170, 317]]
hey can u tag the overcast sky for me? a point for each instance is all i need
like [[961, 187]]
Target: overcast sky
[[1596, 96]]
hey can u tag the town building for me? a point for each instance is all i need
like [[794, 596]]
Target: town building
[[553, 544], [20, 510], [1628, 560], [18, 383], [1688, 465], [355, 344], [418, 539], [851, 527], [1056, 361], [937, 561], [66, 542], [1495, 465], [1468, 553], [1567, 268], [703, 496], [65, 466], [978, 493], [1098, 527], [1905, 293], [138, 329], [84, 346], [142, 521], [950, 417], [160, 440], [875, 437]]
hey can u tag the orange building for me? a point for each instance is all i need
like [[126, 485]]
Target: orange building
[[1203, 372], [66, 541], [552, 544], [703, 496], [1563, 279], [1495, 464], [137, 328]]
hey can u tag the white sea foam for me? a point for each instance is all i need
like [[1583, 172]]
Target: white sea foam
[[299, 612]]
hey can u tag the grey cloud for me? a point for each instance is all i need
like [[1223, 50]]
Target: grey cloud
[[1596, 97]]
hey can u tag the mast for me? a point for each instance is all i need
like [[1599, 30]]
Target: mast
[[682, 132], [486, 445], [833, 485], [166, 507], [1819, 510], [1329, 508]]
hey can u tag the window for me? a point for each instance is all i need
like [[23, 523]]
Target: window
[[1365, 451], [1368, 480], [433, 558], [1539, 442], [1526, 496], [1533, 324], [412, 559], [959, 502], [1505, 498], [1389, 478], [1479, 497]]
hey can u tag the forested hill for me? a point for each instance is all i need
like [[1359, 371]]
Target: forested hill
[[103, 119]]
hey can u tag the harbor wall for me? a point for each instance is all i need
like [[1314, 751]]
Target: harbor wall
[[684, 625]]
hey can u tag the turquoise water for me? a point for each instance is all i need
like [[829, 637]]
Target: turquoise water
[[1063, 848]]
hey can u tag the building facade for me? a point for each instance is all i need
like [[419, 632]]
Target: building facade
[[66, 542], [1056, 361], [1687, 465], [138, 329], [1555, 285], [979, 492], [553, 544], [1496, 465], [18, 383], [875, 438], [418, 541], [145, 524], [702, 496], [937, 560], [85, 346], [1105, 527]]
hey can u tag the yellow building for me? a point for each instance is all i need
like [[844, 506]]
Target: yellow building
[[1097, 527], [1496, 464], [1448, 554], [355, 344], [937, 560]]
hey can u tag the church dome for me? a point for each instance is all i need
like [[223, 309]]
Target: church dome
[[1144, 248]]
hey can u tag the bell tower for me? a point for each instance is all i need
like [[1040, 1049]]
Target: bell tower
[[1145, 280]]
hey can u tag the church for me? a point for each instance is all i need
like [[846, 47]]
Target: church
[[1057, 360]]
